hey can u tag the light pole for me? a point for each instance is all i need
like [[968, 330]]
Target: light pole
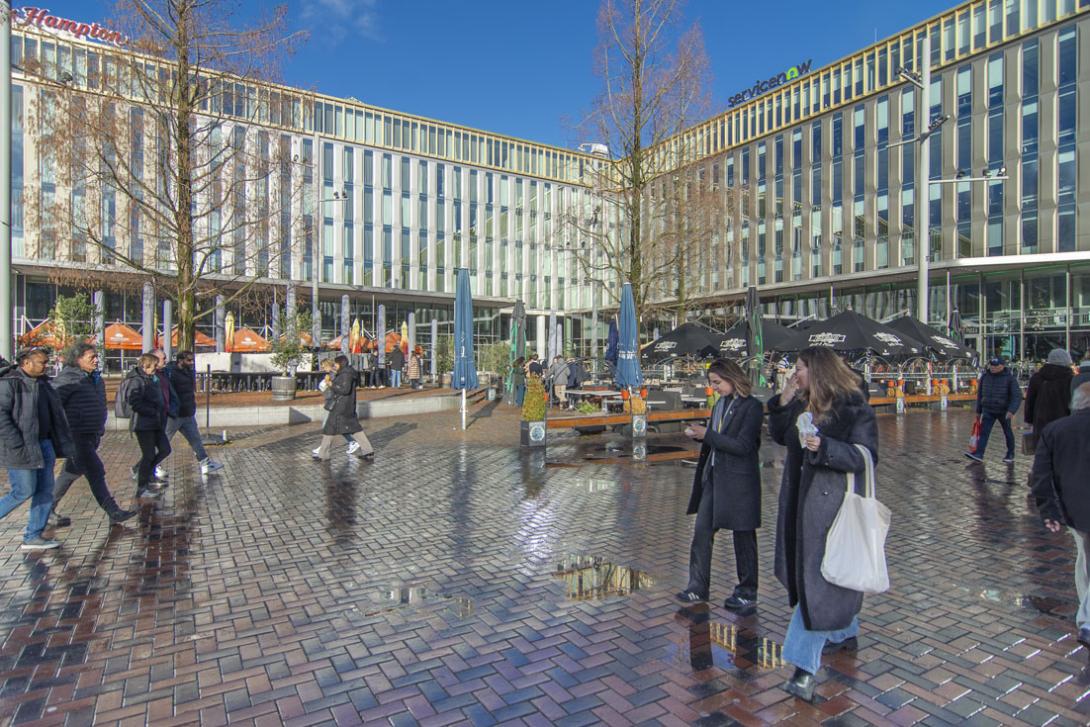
[[5, 179], [922, 82]]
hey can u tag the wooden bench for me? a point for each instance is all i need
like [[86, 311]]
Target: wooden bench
[[608, 420]]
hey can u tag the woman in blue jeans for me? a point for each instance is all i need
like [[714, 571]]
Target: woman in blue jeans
[[820, 417]]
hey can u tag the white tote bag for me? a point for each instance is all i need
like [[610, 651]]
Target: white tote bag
[[855, 547]]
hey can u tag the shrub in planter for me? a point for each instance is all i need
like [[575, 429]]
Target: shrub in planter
[[532, 426]]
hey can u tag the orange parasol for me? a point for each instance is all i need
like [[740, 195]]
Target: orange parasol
[[44, 334], [122, 337], [200, 340], [246, 340]]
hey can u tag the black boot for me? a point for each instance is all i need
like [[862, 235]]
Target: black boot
[[117, 515], [801, 685]]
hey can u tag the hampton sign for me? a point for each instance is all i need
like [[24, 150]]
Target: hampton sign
[[41, 18], [778, 80]]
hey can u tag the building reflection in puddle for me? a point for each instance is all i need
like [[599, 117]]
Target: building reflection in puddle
[[725, 645], [405, 596], [590, 578]]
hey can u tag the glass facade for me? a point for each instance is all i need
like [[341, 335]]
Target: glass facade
[[819, 180]]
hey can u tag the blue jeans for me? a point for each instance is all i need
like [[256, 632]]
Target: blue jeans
[[802, 647], [395, 378], [987, 421], [520, 394], [36, 484], [189, 430]]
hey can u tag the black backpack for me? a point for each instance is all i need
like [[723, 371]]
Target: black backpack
[[122, 408]]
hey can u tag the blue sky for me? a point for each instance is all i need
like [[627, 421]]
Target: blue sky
[[526, 68]]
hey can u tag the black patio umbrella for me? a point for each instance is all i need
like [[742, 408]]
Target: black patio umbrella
[[689, 339], [850, 331], [783, 339], [944, 347], [779, 339]]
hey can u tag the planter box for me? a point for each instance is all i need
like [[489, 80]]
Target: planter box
[[639, 426], [283, 388], [532, 434]]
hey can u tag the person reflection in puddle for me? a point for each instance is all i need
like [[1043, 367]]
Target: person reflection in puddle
[[727, 487]]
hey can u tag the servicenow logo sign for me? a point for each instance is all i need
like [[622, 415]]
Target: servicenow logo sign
[[778, 80]]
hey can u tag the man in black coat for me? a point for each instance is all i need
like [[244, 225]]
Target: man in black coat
[[1084, 373], [998, 397], [33, 434], [1048, 396], [83, 396], [1062, 491], [183, 378]]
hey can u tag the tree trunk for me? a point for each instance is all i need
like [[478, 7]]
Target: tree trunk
[[185, 299]]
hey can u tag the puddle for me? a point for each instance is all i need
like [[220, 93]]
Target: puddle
[[725, 646], [589, 578], [413, 597], [613, 451]]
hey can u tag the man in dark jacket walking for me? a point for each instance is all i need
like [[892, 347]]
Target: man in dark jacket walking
[[170, 402], [33, 434], [183, 378], [1048, 396], [83, 396], [396, 360], [998, 397], [1062, 491]]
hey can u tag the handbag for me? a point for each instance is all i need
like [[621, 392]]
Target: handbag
[[1029, 442], [974, 436], [855, 546]]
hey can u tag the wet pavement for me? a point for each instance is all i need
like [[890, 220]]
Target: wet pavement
[[459, 580]]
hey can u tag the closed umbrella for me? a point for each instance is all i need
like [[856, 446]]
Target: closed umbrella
[[354, 337], [756, 347], [465, 370], [405, 338], [229, 337], [612, 339], [517, 339], [628, 372]]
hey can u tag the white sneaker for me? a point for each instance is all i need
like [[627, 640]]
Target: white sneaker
[[316, 452], [210, 465], [353, 447], [160, 473]]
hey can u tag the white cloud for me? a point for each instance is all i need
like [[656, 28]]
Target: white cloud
[[335, 20]]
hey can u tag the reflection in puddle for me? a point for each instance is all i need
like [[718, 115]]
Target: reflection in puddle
[[413, 596], [725, 646], [589, 578]]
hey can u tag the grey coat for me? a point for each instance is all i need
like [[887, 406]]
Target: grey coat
[[342, 417], [736, 476], [19, 421], [810, 496]]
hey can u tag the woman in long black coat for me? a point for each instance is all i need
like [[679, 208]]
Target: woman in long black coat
[[343, 419], [825, 618], [727, 486]]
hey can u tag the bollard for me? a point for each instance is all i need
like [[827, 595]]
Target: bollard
[[900, 396]]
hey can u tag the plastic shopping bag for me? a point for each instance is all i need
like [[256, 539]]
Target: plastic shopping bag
[[974, 437], [855, 546]]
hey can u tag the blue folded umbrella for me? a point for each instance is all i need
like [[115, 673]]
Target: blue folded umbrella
[[465, 370], [628, 371]]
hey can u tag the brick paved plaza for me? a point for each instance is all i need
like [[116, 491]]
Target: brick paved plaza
[[459, 580]]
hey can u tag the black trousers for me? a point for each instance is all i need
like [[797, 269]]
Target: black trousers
[[700, 554], [154, 448], [84, 460]]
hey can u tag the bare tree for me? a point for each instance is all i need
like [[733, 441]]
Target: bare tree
[[654, 75], [156, 148]]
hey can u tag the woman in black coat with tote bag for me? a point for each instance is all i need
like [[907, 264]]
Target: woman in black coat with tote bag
[[727, 486], [825, 618]]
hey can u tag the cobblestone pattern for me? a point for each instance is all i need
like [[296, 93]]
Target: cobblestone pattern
[[459, 580]]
